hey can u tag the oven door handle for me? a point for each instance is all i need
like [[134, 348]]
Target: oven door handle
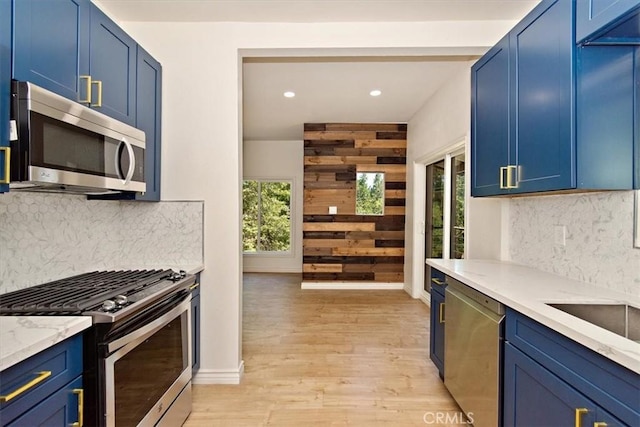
[[150, 328]]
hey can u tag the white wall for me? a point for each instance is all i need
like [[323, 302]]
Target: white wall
[[202, 122], [443, 121], [280, 160]]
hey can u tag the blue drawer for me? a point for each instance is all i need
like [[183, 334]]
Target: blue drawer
[[63, 361]]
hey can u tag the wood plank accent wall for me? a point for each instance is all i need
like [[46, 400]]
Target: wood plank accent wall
[[346, 246]]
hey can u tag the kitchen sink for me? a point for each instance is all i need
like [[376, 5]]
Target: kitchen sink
[[621, 319]]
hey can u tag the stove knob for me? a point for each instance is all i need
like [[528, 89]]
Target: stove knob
[[121, 299], [108, 305]]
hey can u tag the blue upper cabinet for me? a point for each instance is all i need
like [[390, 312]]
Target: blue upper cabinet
[[542, 94], [112, 67], [572, 110], [490, 120], [522, 107], [71, 48], [5, 90], [608, 21], [51, 45], [148, 119]]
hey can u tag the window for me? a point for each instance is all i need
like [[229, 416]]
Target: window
[[370, 193], [445, 210], [266, 216]]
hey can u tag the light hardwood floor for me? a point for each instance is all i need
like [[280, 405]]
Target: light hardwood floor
[[328, 358]]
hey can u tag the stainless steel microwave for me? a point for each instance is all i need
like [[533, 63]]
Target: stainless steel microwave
[[62, 146]]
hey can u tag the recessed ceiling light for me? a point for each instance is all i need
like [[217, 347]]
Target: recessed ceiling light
[[375, 92], [289, 94]]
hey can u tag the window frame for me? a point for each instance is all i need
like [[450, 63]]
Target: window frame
[[260, 181]]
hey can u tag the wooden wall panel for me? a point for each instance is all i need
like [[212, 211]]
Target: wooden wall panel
[[346, 246]]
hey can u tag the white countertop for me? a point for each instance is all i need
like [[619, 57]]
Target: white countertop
[[527, 290], [24, 336]]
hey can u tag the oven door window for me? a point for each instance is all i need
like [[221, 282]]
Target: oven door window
[[143, 375]]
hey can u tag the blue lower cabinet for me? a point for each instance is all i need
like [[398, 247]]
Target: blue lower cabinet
[[40, 389], [195, 326], [550, 380], [534, 397], [60, 409], [436, 338]]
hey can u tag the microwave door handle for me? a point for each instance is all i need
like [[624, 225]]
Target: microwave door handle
[[116, 160], [132, 161]]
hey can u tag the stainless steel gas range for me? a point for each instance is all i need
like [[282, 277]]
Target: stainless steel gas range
[[137, 354]]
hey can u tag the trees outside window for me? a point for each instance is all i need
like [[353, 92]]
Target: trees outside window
[[370, 193], [266, 216]]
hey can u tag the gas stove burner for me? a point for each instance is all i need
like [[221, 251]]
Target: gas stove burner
[[105, 295], [175, 276]]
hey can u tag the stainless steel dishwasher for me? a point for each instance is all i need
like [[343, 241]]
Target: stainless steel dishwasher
[[473, 333]]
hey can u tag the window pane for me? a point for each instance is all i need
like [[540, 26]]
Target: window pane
[[370, 193], [249, 216], [457, 207], [436, 200], [275, 224]]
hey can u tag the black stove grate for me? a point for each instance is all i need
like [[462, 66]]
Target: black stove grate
[[73, 295]]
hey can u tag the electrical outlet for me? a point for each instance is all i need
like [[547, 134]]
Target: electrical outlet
[[560, 235], [333, 210]]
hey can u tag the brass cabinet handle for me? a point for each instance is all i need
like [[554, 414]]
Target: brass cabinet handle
[[195, 285], [441, 312], [599, 424], [7, 165], [579, 413], [88, 89], [502, 171], [80, 393], [437, 281], [512, 178], [99, 84], [17, 392]]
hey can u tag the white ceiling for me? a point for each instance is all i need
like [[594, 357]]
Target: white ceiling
[[328, 89]]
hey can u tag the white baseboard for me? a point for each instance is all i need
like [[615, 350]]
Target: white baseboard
[[353, 285], [258, 269], [424, 297], [219, 376]]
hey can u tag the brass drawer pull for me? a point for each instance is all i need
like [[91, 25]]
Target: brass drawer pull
[[17, 392], [99, 84], [437, 281], [441, 313], [194, 286], [80, 393], [579, 413]]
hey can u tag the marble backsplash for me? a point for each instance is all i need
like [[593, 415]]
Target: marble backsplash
[[45, 237], [599, 237]]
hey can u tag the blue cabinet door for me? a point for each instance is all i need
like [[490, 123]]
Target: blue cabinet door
[[597, 16], [5, 91], [60, 409], [51, 45], [112, 63], [606, 113], [148, 119], [490, 120], [436, 338], [195, 327], [542, 97], [535, 397]]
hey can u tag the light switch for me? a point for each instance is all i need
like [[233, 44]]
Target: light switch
[[333, 210]]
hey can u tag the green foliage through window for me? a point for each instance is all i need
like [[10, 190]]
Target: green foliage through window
[[370, 193], [266, 216]]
